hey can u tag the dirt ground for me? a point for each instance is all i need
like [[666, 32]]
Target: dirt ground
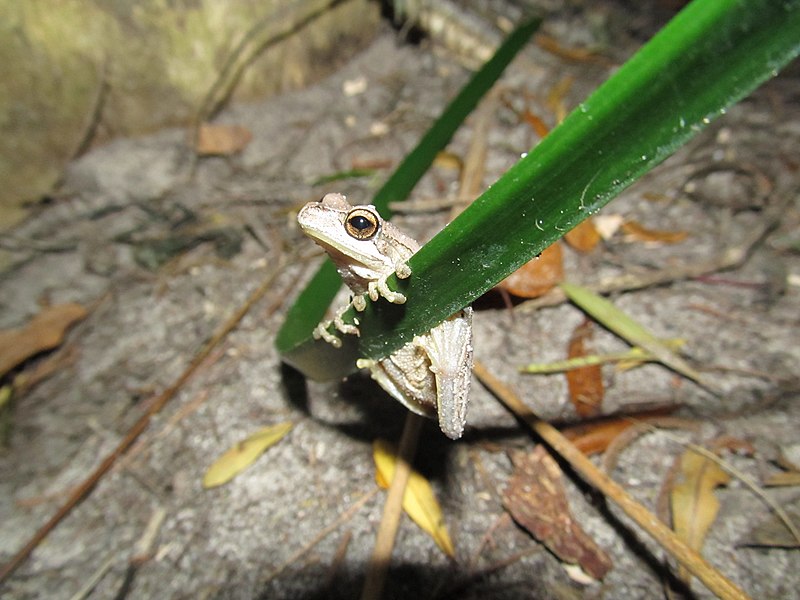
[[162, 253]]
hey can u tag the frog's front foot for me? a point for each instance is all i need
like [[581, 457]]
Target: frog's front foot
[[321, 330], [379, 288], [360, 302]]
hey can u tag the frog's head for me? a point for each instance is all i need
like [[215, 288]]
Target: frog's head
[[349, 234]]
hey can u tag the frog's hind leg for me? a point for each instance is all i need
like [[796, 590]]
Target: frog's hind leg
[[449, 348]]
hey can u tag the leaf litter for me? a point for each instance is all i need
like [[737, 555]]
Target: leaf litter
[[419, 499], [536, 499]]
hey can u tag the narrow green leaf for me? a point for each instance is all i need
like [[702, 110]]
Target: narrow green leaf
[[633, 355], [613, 319]]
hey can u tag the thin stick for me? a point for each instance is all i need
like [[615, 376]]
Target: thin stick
[[392, 511], [82, 491], [728, 258], [693, 561], [346, 516]]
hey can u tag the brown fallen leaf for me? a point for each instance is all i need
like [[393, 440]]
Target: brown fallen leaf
[[594, 438], [536, 500], [639, 233], [243, 454], [583, 238], [586, 389], [221, 140], [692, 500], [54, 362], [419, 501], [537, 276], [43, 332]]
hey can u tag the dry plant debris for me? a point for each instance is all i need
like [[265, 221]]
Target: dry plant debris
[[221, 140], [537, 276], [694, 505], [585, 384], [634, 333], [44, 332], [636, 232], [583, 238], [419, 500], [243, 454], [536, 499]]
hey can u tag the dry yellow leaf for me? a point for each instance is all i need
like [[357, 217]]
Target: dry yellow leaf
[[243, 454], [694, 505], [419, 501]]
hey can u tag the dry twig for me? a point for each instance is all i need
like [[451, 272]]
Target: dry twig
[[392, 510], [83, 490], [693, 561]]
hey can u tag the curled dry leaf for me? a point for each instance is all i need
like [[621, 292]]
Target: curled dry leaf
[[583, 238], [44, 332], [419, 501], [221, 140], [537, 276], [243, 454], [536, 499], [694, 505], [585, 384], [595, 436]]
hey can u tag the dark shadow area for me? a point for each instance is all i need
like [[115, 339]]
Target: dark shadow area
[[295, 387], [402, 582], [380, 414]]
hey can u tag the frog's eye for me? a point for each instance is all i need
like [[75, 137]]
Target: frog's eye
[[361, 223]]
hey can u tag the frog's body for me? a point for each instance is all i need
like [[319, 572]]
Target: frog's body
[[431, 374]]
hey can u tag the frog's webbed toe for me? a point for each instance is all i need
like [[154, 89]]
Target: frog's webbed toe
[[378, 288], [321, 330]]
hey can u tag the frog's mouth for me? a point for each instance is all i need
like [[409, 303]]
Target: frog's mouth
[[357, 261]]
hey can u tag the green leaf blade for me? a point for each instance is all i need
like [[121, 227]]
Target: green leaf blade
[[709, 56], [668, 92]]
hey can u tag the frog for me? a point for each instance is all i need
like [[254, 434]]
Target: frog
[[429, 375]]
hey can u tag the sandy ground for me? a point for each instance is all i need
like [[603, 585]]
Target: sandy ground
[[235, 219]]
